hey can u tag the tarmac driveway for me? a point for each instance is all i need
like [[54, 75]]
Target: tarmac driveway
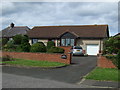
[[70, 74]]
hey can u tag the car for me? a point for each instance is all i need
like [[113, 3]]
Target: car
[[77, 50]]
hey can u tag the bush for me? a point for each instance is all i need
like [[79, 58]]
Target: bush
[[25, 39], [116, 60], [38, 47], [50, 44], [24, 46], [17, 39], [4, 41], [112, 45], [55, 50], [7, 58], [41, 43], [9, 46]]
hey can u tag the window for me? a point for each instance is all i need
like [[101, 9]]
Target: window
[[67, 42], [34, 41], [63, 42], [72, 42]]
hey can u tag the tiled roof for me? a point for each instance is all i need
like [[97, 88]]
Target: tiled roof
[[95, 31], [9, 32]]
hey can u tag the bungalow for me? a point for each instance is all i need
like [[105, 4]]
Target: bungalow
[[13, 30], [89, 37]]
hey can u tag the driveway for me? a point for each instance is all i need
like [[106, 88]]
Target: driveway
[[70, 74]]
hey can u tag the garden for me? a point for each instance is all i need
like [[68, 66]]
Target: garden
[[20, 43], [112, 52]]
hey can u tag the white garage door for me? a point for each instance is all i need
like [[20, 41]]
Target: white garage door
[[92, 49]]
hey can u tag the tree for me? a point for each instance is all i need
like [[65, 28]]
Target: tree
[[50, 44], [25, 46], [17, 39]]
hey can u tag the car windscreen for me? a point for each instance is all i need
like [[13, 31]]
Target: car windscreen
[[77, 47]]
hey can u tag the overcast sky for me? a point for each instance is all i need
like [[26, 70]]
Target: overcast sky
[[60, 13]]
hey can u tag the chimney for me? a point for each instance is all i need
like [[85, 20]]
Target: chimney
[[12, 25]]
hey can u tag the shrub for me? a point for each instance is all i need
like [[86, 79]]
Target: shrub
[[7, 58], [17, 39], [112, 45], [24, 46], [25, 39], [4, 41], [9, 46], [116, 60], [50, 44], [38, 47], [55, 50], [41, 43]]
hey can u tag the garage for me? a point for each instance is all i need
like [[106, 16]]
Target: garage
[[92, 49]]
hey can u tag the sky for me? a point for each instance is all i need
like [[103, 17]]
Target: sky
[[60, 13]]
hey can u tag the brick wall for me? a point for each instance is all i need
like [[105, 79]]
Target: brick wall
[[105, 63], [39, 56]]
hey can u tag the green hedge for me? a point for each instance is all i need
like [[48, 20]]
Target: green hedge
[[38, 47], [50, 44], [55, 50], [115, 59]]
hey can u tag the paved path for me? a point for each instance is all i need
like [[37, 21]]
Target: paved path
[[70, 74], [110, 84]]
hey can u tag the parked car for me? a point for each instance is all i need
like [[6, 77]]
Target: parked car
[[77, 50]]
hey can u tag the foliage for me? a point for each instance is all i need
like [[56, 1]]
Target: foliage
[[55, 50], [9, 46], [41, 43], [50, 44], [116, 60], [38, 47], [17, 39], [112, 45], [112, 50], [25, 39], [24, 46], [7, 58], [4, 41]]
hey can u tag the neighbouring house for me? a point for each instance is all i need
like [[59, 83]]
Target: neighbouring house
[[89, 37], [13, 30]]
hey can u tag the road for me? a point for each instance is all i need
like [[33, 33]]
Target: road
[[61, 77]]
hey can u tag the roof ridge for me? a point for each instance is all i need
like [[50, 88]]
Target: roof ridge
[[73, 25], [19, 26]]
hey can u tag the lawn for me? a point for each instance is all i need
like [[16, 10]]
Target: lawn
[[22, 62], [105, 74]]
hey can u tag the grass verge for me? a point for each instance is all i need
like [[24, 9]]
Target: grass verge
[[104, 74], [23, 62]]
